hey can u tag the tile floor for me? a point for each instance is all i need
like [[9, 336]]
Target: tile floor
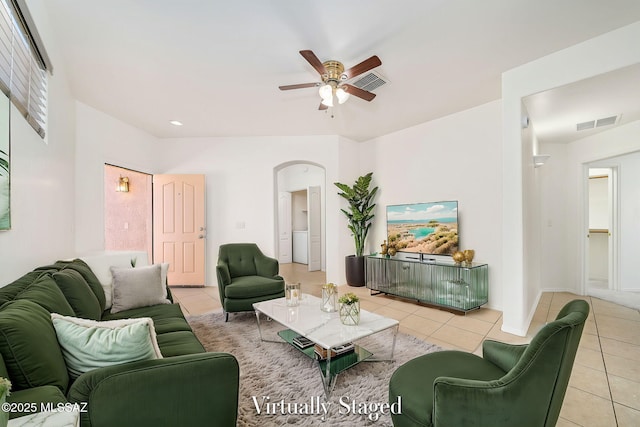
[[604, 389]]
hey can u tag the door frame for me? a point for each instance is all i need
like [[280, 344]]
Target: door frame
[[613, 262], [323, 189]]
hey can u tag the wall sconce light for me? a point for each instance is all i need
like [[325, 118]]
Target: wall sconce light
[[540, 159], [123, 185]]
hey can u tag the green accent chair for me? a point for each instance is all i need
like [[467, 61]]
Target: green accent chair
[[246, 276], [511, 385]]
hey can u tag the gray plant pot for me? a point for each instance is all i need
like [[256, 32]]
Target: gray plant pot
[[354, 270]]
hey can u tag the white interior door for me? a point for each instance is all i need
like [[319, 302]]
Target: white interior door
[[179, 228], [315, 228], [285, 242]]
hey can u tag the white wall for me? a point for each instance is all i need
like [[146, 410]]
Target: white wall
[[453, 158], [569, 164], [613, 50], [102, 139], [240, 187], [42, 176]]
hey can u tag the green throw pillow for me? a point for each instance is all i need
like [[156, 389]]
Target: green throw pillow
[[88, 345], [44, 292], [29, 347], [79, 294], [81, 267]]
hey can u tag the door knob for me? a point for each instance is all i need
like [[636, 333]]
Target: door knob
[[201, 236]]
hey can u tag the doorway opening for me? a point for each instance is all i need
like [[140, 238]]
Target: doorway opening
[[300, 214], [128, 215], [163, 215], [601, 257]]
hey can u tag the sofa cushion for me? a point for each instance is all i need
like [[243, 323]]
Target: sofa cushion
[[179, 343], [88, 345], [44, 292], [137, 287], [156, 312], [252, 286], [9, 291], [85, 271], [30, 348], [83, 301]]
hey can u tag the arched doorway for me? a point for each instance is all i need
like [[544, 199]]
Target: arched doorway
[[299, 191]]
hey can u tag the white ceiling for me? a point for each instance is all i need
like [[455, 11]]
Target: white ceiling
[[216, 65], [555, 113]]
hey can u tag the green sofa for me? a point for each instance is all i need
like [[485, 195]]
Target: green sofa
[[187, 386], [246, 276]]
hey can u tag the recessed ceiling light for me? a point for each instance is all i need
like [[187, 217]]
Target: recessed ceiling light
[[176, 123]]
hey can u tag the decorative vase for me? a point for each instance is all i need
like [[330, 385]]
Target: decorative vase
[[350, 313], [468, 256], [458, 257], [329, 298]]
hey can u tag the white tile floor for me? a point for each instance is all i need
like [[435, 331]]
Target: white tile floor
[[604, 389]]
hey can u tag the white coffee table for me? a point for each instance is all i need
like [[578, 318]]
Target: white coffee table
[[47, 419], [326, 330]]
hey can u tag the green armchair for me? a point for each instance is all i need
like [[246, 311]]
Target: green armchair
[[246, 276], [510, 385]]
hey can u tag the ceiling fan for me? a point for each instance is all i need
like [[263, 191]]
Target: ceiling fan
[[333, 77]]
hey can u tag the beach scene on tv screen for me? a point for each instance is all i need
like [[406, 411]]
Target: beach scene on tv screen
[[428, 228]]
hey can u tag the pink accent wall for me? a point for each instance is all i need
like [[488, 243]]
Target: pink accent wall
[[127, 216]]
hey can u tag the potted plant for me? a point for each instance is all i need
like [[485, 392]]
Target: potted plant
[[5, 387], [359, 216], [349, 309]]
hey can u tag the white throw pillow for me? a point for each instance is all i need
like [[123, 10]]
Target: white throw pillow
[[137, 287], [89, 344]]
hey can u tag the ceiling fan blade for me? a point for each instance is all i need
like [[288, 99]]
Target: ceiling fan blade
[[362, 67], [322, 107], [356, 91], [314, 61], [299, 86]]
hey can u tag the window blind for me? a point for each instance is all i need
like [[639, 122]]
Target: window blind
[[23, 71]]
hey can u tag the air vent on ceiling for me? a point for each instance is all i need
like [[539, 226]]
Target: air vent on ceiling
[[606, 121], [369, 81], [586, 125], [591, 124]]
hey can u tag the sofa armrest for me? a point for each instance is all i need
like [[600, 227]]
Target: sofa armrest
[[266, 266], [224, 278], [35, 399], [503, 355], [191, 390], [460, 402]]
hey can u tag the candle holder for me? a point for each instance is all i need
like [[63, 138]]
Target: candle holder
[[292, 294]]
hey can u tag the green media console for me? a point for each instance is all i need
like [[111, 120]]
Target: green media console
[[457, 287]]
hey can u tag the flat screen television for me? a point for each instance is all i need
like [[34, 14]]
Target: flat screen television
[[427, 228]]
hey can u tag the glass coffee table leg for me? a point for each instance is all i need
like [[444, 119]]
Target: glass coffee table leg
[[393, 344], [259, 328], [328, 380]]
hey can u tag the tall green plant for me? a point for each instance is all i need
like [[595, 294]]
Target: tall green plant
[[4, 163], [361, 205]]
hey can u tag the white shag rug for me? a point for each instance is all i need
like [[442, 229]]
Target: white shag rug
[[280, 386]]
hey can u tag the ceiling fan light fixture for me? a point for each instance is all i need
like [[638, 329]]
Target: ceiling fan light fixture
[[342, 95], [327, 102], [326, 92]]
